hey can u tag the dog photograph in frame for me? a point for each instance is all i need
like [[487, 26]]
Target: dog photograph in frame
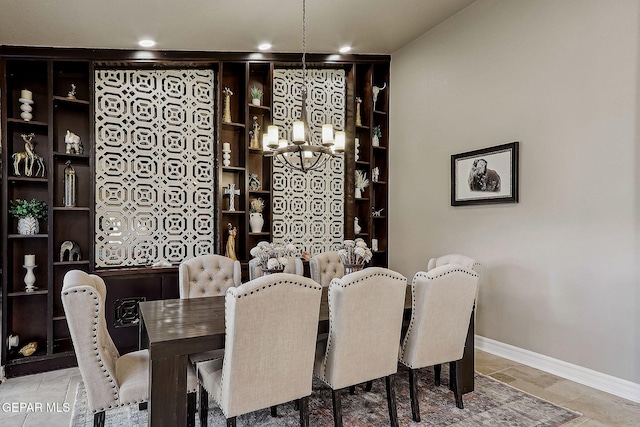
[[485, 176]]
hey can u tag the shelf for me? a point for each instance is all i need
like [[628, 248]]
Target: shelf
[[70, 101], [379, 182], [72, 156], [265, 192], [232, 124], [362, 199], [27, 123], [362, 163], [81, 262], [233, 212], [260, 107], [256, 150], [58, 318], [379, 112], [27, 236], [362, 234], [379, 217], [71, 209], [262, 233], [233, 169], [25, 294], [27, 179], [379, 147]]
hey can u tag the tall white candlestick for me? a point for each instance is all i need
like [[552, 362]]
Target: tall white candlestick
[[29, 260]]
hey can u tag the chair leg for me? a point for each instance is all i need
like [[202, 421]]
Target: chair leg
[[274, 411], [352, 390], [98, 419], [337, 408], [204, 406], [368, 386], [436, 372], [413, 392], [454, 383], [231, 422], [391, 399], [304, 411], [191, 409]]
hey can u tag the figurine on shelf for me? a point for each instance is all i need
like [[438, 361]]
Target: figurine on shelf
[[231, 191], [69, 185], [226, 154], [255, 135], [254, 182], [72, 92], [230, 251], [358, 119], [73, 142], [376, 213], [227, 105], [70, 251], [375, 174], [29, 156], [376, 90], [356, 225]]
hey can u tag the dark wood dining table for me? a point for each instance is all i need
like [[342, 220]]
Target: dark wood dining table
[[174, 328]]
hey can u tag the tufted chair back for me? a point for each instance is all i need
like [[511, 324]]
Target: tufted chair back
[[462, 260], [207, 276], [366, 309], [83, 298], [271, 329], [326, 266], [294, 266]]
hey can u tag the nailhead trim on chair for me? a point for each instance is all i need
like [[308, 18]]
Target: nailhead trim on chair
[[422, 274], [344, 285]]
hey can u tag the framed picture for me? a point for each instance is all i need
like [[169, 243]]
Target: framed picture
[[485, 176]]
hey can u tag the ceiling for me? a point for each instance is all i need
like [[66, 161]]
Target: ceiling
[[369, 26]]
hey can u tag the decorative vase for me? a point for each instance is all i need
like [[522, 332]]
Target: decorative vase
[[29, 278], [255, 101], [358, 193], [256, 221], [375, 141], [350, 268], [356, 226], [28, 226], [267, 271]]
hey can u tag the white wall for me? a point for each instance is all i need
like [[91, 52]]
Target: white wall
[[560, 76]]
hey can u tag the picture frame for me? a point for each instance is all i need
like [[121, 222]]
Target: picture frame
[[485, 176]]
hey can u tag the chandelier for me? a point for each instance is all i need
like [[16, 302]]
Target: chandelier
[[301, 153]]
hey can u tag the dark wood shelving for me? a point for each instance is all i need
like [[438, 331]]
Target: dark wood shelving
[[379, 112], [362, 127], [71, 101], [233, 212], [66, 263], [262, 233], [379, 182], [27, 179], [260, 107], [27, 236], [233, 124], [58, 318], [27, 123], [233, 169], [259, 192], [27, 294], [71, 156], [380, 147], [71, 209]]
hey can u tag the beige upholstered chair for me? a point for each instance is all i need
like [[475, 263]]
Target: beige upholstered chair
[[442, 304], [366, 310], [326, 266], [294, 266], [271, 328], [207, 275], [462, 260], [111, 380]]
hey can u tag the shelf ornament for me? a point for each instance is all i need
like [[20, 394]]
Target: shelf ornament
[[226, 154], [230, 251], [254, 182], [376, 90], [231, 191], [73, 143], [72, 92], [255, 135], [256, 94], [70, 251], [26, 101], [69, 185], [28, 214], [358, 117], [354, 254], [30, 157], [227, 105]]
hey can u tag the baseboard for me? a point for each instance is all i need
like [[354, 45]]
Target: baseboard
[[610, 384]]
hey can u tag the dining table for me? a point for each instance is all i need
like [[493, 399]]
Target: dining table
[[172, 329]]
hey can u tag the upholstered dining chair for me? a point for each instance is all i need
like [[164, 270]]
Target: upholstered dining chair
[[111, 379], [365, 319], [463, 260], [207, 275], [271, 328], [294, 266], [442, 303], [326, 266]]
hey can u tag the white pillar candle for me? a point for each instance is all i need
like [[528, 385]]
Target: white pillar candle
[[298, 131], [26, 94], [340, 141], [29, 260], [327, 134], [226, 146]]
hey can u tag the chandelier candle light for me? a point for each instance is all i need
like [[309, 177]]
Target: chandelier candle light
[[302, 154]]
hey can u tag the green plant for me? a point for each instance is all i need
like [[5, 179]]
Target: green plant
[[377, 131], [256, 93], [22, 208]]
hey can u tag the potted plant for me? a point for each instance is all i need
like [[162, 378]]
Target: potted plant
[[256, 221], [377, 134], [28, 213], [361, 182], [256, 94]]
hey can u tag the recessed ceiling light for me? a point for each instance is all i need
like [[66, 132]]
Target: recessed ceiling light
[[265, 46], [146, 43], [345, 49]]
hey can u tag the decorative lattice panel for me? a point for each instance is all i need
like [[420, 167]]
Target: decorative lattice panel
[[308, 208], [154, 133]]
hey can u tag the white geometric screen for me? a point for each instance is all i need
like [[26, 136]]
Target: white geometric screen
[[154, 134], [308, 208]]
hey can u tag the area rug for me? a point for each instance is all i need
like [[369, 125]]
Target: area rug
[[492, 403]]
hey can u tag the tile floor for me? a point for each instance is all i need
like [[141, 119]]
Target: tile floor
[[57, 389]]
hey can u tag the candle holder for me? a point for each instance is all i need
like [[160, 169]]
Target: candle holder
[[226, 157], [26, 108], [29, 278]]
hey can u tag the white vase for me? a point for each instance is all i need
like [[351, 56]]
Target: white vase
[[255, 101], [358, 193], [375, 141], [356, 226], [28, 226], [256, 221]]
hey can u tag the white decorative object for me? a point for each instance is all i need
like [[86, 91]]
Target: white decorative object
[[356, 225], [254, 182], [30, 259], [26, 101], [73, 143], [358, 118], [361, 182], [256, 94], [231, 191], [376, 90], [13, 341], [374, 245], [357, 147], [227, 105], [69, 185], [29, 278], [256, 222], [28, 226], [72, 92], [154, 159], [255, 134], [226, 154], [308, 209], [375, 174], [357, 193]]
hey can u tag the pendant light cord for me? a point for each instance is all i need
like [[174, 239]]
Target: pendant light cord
[[304, 44]]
